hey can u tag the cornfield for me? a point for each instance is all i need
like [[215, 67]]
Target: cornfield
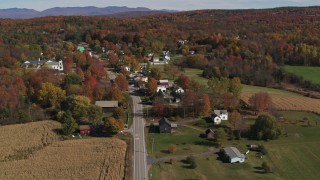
[[90, 158]]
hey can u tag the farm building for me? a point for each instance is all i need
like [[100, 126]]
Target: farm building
[[209, 134], [165, 126], [84, 129], [107, 106], [234, 155], [219, 115]]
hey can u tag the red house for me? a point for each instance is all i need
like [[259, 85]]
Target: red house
[[84, 129]]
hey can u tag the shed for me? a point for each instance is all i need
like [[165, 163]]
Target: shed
[[165, 126], [209, 134], [234, 155], [84, 129], [107, 106]]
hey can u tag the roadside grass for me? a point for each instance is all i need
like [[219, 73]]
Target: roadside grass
[[308, 73], [187, 141], [293, 156]]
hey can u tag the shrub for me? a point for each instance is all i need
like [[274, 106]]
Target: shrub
[[266, 167], [192, 162], [172, 148], [263, 150]]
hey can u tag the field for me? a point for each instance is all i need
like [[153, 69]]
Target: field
[[295, 103], [186, 139], [308, 73], [294, 156], [89, 158], [17, 140], [283, 100]]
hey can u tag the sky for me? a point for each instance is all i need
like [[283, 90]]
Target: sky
[[158, 4]]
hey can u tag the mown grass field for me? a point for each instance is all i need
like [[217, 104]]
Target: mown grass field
[[294, 156], [308, 73], [186, 140], [33, 151]]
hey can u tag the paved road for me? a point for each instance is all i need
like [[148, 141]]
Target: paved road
[[140, 153]]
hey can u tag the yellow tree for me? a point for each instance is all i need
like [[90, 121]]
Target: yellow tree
[[50, 95]]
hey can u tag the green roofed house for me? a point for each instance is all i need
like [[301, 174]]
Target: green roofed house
[[234, 155], [80, 48]]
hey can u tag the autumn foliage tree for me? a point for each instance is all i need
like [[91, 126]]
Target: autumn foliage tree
[[155, 73], [205, 105], [158, 106], [184, 82], [112, 125], [151, 86], [122, 82], [50, 95], [115, 94], [260, 102], [172, 149]]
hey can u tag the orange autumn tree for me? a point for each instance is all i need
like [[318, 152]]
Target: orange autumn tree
[[260, 102], [122, 82], [206, 105], [152, 86]]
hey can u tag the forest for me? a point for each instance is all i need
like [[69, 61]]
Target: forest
[[252, 45]]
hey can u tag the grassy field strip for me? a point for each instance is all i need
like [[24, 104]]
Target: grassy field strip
[[308, 73]]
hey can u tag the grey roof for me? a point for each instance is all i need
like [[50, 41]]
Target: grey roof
[[41, 62], [165, 120], [107, 104], [53, 63], [219, 112], [233, 152]]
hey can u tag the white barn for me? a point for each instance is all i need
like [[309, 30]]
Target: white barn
[[234, 155]]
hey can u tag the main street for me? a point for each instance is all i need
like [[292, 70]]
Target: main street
[[140, 154]]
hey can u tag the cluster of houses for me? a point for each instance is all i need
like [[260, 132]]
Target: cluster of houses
[[163, 58], [38, 64]]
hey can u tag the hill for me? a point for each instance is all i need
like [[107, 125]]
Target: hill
[[16, 13]]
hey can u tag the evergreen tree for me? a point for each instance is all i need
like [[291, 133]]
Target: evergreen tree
[[69, 125]]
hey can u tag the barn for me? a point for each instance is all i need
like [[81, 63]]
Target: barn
[[84, 129], [234, 155]]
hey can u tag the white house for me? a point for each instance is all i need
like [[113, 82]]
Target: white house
[[234, 155], [179, 90], [162, 89], [219, 115], [46, 63], [54, 65]]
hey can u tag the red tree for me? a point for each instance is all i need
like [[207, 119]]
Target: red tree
[[158, 106], [260, 101], [122, 82], [184, 81]]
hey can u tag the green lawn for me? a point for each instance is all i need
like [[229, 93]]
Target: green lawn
[[308, 73], [186, 140], [294, 156], [256, 89]]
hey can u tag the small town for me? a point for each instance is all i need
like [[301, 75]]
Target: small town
[[137, 93]]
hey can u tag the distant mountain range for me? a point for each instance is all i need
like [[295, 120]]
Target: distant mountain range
[[114, 11]]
